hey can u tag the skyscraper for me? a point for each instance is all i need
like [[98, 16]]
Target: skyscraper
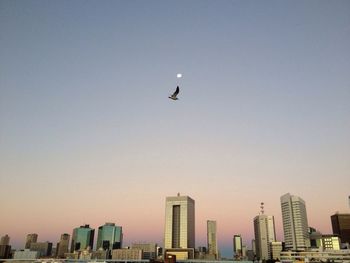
[[5, 248], [212, 238], [264, 230], [82, 238], [62, 245], [110, 236], [179, 226], [5, 240], [237, 246], [341, 226], [295, 225], [31, 238]]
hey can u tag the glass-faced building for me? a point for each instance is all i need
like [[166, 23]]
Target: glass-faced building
[[82, 238], [110, 236]]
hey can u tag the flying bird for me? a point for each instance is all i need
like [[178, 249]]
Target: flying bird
[[173, 97]]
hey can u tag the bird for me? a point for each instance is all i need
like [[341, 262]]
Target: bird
[[173, 97]]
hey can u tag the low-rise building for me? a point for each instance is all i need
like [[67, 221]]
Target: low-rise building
[[126, 254], [317, 255], [149, 250], [26, 254], [276, 249], [44, 248]]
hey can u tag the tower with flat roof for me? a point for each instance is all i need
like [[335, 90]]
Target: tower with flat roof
[[212, 238], [295, 225], [179, 236]]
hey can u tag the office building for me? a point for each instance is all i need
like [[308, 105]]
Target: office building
[[149, 250], [82, 238], [264, 231], [295, 225], [31, 238], [330, 242], [127, 254], [5, 240], [276, 248], [5, 248], [63, 246], [237, 247], [179, 237], [315, 238], [341, 226], [26, 254], [43, 248], [109, 237], [212, 239]]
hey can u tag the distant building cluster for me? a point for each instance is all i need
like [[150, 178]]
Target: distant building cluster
[[301, 242]]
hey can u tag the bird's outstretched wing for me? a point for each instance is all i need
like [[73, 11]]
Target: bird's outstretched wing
[[176, 91]]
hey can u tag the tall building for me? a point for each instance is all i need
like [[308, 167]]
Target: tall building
[[179, 237], [63, 246], [295, 225], [264, 230], [31, 238], [5, 248], [82, 238], [237, 246], [341, 226], [212, 238], [5, 240], [109, 237]]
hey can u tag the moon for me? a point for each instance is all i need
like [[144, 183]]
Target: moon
[[179, 75]]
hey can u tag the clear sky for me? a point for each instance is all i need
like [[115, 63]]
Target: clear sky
[[88, 135]]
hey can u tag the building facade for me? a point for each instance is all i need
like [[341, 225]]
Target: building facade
[[149, 250], [295, 224], [43, 248], [179, 225], [264, 231], [31, 238], [5, 240], [127, 254], [82, 238], [341, 226], [63, 246], [237, 247], [276, 248], [109, 237], [212, 238], [26, 254]]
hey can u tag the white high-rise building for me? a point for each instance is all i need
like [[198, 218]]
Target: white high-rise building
[[180, 226], [264, 230], [212, 238], [295, 226]]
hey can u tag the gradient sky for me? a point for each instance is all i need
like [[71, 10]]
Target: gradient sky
[[88, 135]]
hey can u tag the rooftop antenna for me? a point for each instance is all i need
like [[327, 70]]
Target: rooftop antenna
[[262, 208]]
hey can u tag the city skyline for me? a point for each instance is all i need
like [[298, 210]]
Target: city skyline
[[223, 250], [87, 130]]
